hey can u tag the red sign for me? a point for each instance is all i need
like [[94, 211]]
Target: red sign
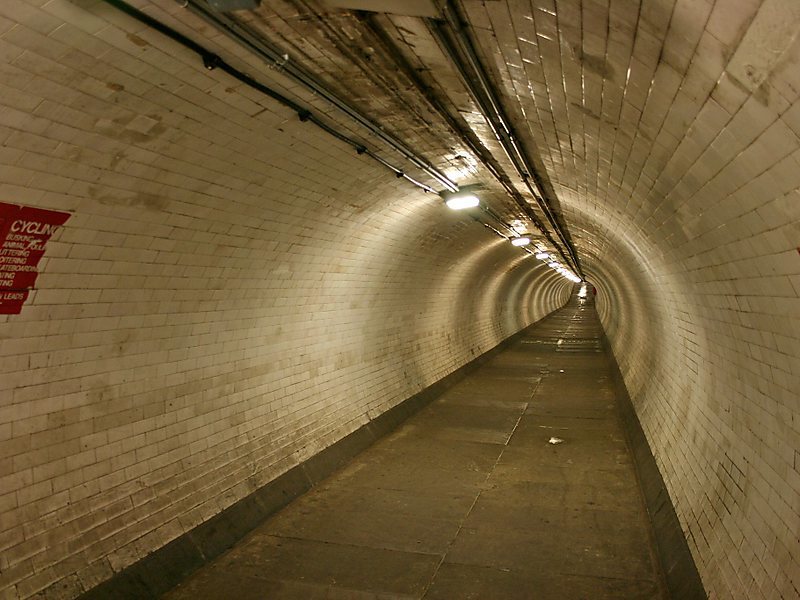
[[24, 231]]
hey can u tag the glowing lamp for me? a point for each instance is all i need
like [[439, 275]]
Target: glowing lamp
[[462, 201]]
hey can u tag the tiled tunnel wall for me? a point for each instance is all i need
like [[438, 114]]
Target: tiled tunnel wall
[[706, 337], [699, 275], [230, 296], [671, 132], [235, 292]]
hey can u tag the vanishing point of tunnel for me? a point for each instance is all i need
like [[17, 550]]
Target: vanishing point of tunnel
[[399, 299]]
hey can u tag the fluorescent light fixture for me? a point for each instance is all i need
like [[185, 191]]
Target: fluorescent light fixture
[[521, 241], [462, 201], [542, 255], [553, 265]]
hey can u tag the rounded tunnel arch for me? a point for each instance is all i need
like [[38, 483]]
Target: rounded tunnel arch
[[203, 330], [236, 290]]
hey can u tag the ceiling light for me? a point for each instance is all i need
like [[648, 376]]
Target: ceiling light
[[462, 201], [553, 265], [542, 255], [521, 241]]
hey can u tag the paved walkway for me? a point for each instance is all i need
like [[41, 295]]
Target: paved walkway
[[468, 499]]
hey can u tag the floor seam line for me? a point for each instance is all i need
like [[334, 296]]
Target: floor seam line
[[474, 502]]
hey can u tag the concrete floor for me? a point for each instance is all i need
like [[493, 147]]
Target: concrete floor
[[468, 499]]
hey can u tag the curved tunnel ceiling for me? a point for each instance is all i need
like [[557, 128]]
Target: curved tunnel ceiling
[[664, 137], [253, 288]]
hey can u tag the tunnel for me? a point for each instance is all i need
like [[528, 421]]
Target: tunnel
[[233, 262]]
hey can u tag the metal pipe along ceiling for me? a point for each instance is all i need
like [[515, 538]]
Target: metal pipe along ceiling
[[213, 61], [452, 36], [271, 54]]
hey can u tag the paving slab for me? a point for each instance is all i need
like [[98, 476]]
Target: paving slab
[[468, 582], [469, 498], [287, 565]]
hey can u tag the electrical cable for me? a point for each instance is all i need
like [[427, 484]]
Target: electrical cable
[[459, 44], [213, 61], [272, 54]]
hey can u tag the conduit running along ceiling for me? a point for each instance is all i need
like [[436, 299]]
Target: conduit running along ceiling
[[607, 102], [397, 71]]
